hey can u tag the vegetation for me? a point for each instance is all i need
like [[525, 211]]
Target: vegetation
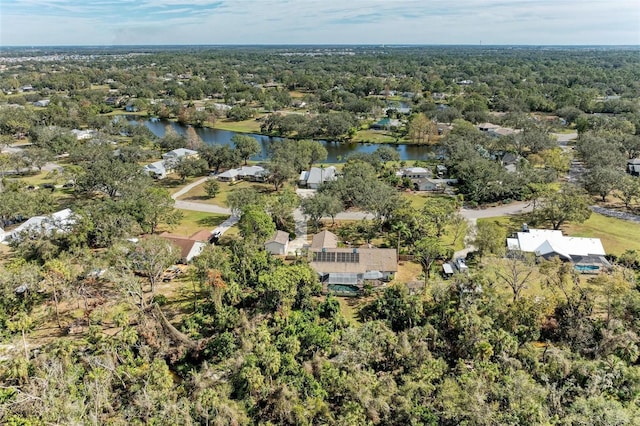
[[99, 325]]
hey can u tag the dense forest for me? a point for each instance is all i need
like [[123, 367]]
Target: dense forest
[[93, 331]]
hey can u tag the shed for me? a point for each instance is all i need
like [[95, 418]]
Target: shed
[[278, 243]]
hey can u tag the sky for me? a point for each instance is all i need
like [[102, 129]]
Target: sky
[[472, 22]]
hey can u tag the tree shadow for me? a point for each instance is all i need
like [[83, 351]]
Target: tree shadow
[[211, 221]]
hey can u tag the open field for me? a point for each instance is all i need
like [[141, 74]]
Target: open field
[[617, 235], [374, 136], [199, 195], [247, 126], [193, 222]]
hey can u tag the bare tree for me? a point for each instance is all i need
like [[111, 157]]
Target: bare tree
[[516, 272]]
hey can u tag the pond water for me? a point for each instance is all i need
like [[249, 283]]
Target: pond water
[[336, 152]]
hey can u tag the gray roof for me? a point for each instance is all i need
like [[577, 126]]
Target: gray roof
[[319, 175], [279, 237], [359, 260], [324, 239], [180, 152]]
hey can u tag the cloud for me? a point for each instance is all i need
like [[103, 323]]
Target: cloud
[[318, 22]]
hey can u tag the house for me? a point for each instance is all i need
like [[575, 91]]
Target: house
[[156, 170], [350, 266], [253, 173], [131, 108], [203, 235], [497, 131], [315, 177], [172, 158], [42, 103], [230, 175], [250, 173], [189, 248], [60, 221], [278, 244], [633, 167], [83, 134], [179, 153], [441, 170], [416, 173], [585, 253], [425, 184], [27, 88]]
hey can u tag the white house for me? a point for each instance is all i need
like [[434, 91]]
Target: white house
[[278, 244], [156, 170], [250, 173], [317, 176], [42, 103], [61, 221], [179, 153], [550, 243], [83, 134], [416, 173]]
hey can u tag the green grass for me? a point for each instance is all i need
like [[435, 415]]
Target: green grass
[[193, 222], [247, 126], [374, 136], [617, 235], [199, 195]]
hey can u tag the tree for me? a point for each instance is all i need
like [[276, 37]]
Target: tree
[[602, 180], [241, 199], [152, 208], [490, 238], [246, 146], [439, 212], [219, 156], [151, 256], [421, 128], [629, 189], [57, 275], [426, 251], [211, 187], [256, 225], [280, 172], [190, 167], [515, 272], [570, 203]]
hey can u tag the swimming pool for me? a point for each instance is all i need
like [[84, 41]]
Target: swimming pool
[[585, 269], [343, 290]]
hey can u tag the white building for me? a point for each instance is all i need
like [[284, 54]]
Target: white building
[[61, 221], [278, 243], [156, 170], [550, 243], [315, 177]]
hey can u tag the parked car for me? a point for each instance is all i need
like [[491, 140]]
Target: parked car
[[461, 265]]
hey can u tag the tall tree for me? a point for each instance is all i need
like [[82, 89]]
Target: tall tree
[[151, 256], [246, 146], [570, 203]]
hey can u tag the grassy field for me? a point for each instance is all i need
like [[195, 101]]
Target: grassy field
[[199, 195], [247, 126], [373, 136], [193, 222], [617, 235]]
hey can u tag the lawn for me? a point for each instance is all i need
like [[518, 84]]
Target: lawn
[[199, 195], [247, 126], [617, 235], [374, 136], [193, 222]]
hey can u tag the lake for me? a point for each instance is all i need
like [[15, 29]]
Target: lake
[[337, 152]]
